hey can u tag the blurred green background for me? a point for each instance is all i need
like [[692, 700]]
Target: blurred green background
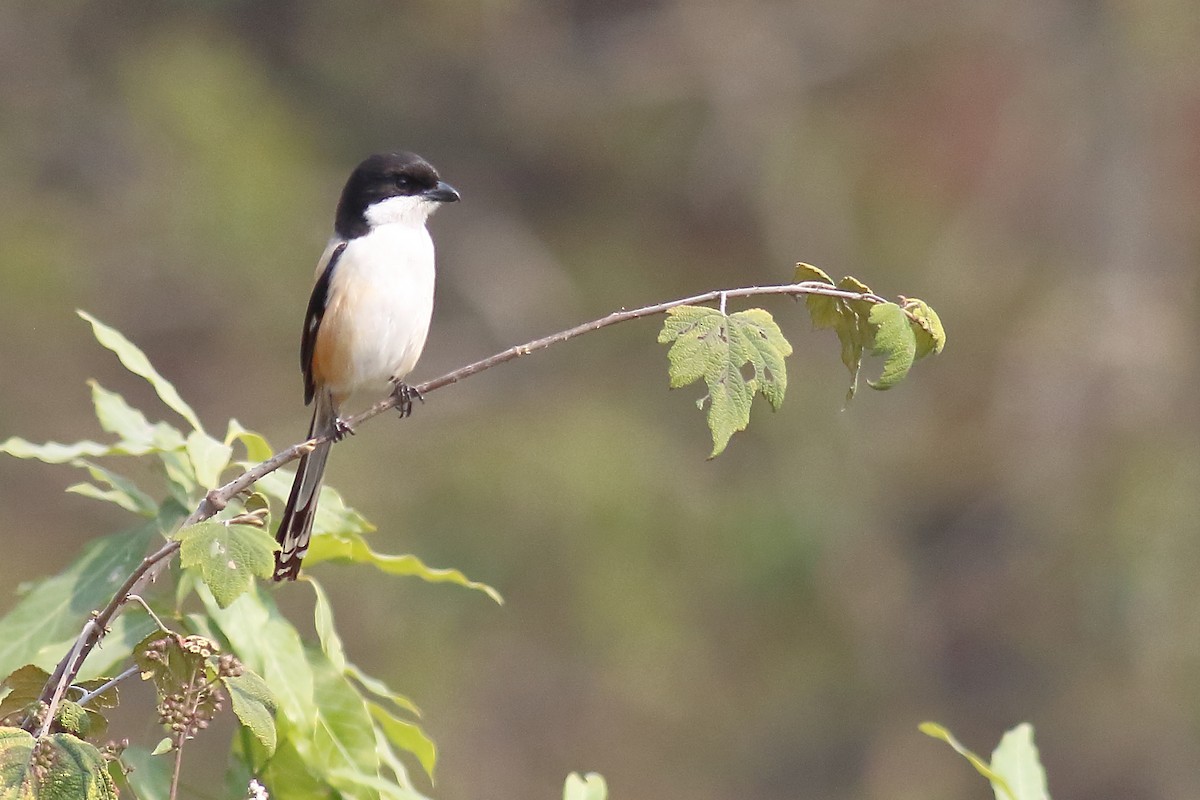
[[1010, 535]]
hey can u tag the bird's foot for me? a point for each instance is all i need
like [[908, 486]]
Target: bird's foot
[[404, 395], [341, 429]]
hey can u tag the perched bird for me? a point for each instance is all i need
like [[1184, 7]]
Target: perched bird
[[368, 315]]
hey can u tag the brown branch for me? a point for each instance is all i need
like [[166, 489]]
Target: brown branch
[[217, 499]]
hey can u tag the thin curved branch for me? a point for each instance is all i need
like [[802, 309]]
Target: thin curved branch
[[217, 499]]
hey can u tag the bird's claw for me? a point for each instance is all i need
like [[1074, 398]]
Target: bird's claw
[[341, 429], [404, 395]]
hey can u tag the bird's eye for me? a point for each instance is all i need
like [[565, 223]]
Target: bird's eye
[[403, 182]]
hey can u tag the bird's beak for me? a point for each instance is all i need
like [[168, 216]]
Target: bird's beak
[[442, 193]]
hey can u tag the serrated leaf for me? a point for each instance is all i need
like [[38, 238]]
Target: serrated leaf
[[136, 362], [708, 344], [982, 767], [228, 556], [354, 549], [209, 458], [1016, 759], [254, 705], [75, 769], [54, 610], [587, 787], [927, 327], [407, 736], [72, 718], [765, 347], [894, 340]]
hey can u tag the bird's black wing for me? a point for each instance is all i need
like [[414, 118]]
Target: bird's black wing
[[312, 321]]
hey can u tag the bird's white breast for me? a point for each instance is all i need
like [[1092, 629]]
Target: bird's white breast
[[379, 306]]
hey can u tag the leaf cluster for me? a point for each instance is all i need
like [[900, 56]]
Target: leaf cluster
[[743, 354], [312, 724]]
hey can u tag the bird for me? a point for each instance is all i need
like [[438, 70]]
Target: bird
[[367, 318]]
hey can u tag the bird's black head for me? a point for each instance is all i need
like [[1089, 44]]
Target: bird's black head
[[385, 176]]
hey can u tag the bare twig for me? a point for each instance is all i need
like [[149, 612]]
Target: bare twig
[[217, 499], [108, 684], [179, 740]]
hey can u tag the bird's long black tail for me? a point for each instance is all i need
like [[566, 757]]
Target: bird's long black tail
[[295, 529]]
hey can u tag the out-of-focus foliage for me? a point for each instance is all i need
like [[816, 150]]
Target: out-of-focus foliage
[[1012, 536]]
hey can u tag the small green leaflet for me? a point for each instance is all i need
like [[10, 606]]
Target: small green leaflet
[[121, 490], [406, 736], [229, 556], [136, 362], [254, 706], [1016, 758], [895, 341], [706, 343], [209, 458], [931, 336], [586, 787], [999, 784], [900, 334]]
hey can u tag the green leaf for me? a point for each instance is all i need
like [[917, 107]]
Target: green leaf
[[343, 743], [58, 767], [352, 548], [1016, 759], [209, 458], [807, 272], [256, 446], [164, 746], [20, 692], [333, 515], [894, 340], [122, 491], [981, 766], [931, 336], [58, 453], [407, 736], [118, 417], [136, 362], [228, 556], [268, 644], [331, 643], [54, 610], [289, 775], [708, 344], [587, 787], [381, 690], [254, 706], [149, 777]]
